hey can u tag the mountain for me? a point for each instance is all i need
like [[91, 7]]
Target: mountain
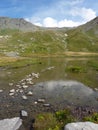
[[91, 26], [21, 38], [84, 38], [17, 23]]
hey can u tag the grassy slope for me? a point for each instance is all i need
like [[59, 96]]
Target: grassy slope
[[49, 41], [39, 42], [80, 39]]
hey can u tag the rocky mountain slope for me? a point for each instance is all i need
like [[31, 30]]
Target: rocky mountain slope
[[16, 23]]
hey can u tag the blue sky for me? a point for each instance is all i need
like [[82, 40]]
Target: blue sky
[[51, 13]]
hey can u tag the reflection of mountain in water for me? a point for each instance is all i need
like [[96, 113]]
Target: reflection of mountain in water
[[69, 91]]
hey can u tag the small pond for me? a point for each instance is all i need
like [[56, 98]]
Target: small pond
[[61, 82]]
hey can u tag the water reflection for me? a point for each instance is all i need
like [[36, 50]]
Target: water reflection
[[68, 91]]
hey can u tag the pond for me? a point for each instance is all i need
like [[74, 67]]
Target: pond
[[58, 82]]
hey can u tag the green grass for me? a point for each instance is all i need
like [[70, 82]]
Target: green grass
[[53, 121], [48, 41], [79, 40], [57, 120], [30, 43]]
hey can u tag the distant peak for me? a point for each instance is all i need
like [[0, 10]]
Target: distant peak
[[17, 23]]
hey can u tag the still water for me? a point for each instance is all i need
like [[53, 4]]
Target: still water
[[57, 84]]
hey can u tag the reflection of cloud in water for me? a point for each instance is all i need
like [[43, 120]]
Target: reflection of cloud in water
[[71, 86], [66, 92]]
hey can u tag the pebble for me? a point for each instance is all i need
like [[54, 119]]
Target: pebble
[[41, 100], [21, 91], [25, 86], [29, 93], [23, 83], [1, 90], [24, 97], [18, 86], [23, 113], [30, 82], [35, 102], [96, 89], [29, 79], [46, 105], [12, 91], [36, 75], [11, 94]]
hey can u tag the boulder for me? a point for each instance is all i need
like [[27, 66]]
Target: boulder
[[81, 126], [10, 124]]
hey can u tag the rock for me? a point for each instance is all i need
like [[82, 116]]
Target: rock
[[21, 91], [29, 93], [18, 86], [81, 126], [1, 90], [30, 82], [41, 100], [23, 83], [29, 79], [24, 97], [17, 90], [12, 91], [25, 86], [35, 75], [11, 94], [35, 102], [49, 68], [96, 89], [10, 124], [46, 105], [23, 113]]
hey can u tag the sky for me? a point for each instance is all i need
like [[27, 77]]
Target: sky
[[51, 13]]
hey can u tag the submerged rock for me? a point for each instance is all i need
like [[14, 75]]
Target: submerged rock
[[10, 124], [81, 126]]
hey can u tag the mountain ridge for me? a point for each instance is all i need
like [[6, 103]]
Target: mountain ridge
[[17, 23], [47, 41]]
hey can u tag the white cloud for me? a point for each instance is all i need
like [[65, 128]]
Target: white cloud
[[51, 22], [63, 13], [85, 13], [88, 14], [68, 23]]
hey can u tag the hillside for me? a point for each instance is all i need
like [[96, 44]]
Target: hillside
[[21, 38], [17, 43], [84, 38]]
